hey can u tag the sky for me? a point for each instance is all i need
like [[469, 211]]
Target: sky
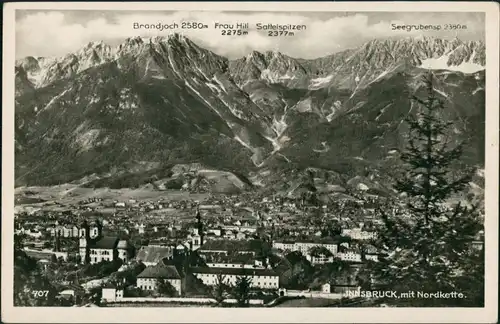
[[56, 33]]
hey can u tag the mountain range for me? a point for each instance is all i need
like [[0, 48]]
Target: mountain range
[[152, 103]]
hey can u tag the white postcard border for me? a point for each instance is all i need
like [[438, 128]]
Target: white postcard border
[[268, 315]]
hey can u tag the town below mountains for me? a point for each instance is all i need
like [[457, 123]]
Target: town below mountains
[[158, 172]]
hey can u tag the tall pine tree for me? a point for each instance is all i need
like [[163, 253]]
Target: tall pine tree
[[425, 238]]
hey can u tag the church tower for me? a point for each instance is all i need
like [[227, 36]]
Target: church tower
[[199, 226], [96, 230], [84, 238], [57, 238]]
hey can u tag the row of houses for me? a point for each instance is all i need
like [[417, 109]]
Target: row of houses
[[326, 250], [226, 259], [259, 278]]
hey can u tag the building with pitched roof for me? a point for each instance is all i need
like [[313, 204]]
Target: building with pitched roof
[[94, 247], [260, 278], [151, 255], [305, 247], [148, 279], [227, 247]]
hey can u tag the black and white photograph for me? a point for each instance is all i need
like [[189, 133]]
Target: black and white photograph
[[251, 159]]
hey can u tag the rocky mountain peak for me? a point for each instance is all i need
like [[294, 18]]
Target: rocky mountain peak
[[177, 37], [275, 54], [131, 45], [28, 64], [255, 56], [93, 54], [95, 45]]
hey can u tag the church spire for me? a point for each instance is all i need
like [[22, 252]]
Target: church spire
[[199, 225], [57, 239]]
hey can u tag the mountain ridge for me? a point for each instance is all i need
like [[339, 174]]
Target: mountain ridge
[[97, 52], [166, 99]]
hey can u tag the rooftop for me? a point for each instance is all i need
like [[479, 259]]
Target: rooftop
[[312, 240], [154, 253], [160, 271], [39, 254], [227, 245], [237, 258], [106, 242], [235, 271], [123, 244]]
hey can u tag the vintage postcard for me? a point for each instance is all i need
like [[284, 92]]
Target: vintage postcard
[[253, 162]]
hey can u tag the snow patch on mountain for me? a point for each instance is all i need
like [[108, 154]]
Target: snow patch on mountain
[[275, 76], [287, 77], [362, 186], [441, 93], [304, 105], [269, 76], [324, 148], [358, 83], [235, 112], [53, 101], [441, 63], [173, 66], [383, 74], [202, 73], [337, 105], [220, 83], [204, 100], [476, 90], [330, 116], [213, 87], [279, 126], [255, 158], [382, 111], [276, 144], [320, 82], [87, 139]]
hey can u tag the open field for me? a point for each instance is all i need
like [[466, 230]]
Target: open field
[[71, 194]]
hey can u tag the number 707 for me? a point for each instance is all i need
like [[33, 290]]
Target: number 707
[[40, 293]]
